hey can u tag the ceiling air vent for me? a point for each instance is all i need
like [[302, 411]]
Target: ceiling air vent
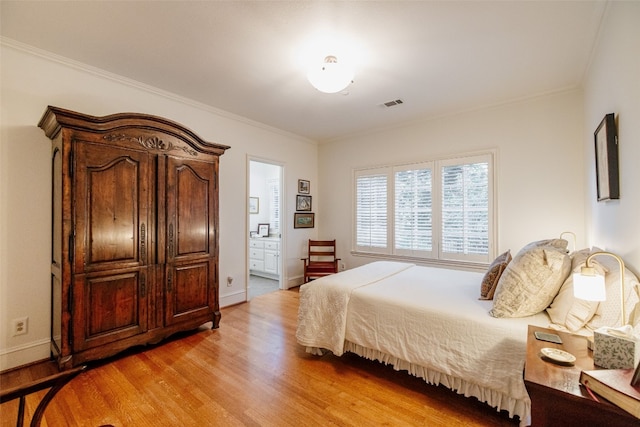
[[392, 103]]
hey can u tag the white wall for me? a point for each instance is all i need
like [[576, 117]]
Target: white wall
[[540, 171], [31, 80], [613, 86]]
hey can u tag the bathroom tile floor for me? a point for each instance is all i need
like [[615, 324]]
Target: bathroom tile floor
[[261, 285]]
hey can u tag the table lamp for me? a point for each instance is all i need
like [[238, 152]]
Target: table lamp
[[573, 235], [612, 348], [590, 286]]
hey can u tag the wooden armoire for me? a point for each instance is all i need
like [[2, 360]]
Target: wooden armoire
[[134, 254]]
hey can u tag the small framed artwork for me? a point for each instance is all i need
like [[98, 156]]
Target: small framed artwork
[[254, 205], [606, 145], [303, 220], [303, 203], [304, 186], [263, 230]]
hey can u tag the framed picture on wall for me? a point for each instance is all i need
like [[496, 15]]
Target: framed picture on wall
[[303, 220], [263, 230], [303, 203], [254, 205], [304, 186], [606, 146]]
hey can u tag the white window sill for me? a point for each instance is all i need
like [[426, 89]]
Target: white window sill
[[457, 265]]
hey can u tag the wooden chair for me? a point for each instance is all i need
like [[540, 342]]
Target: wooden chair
[[321, 260], [54, 382]]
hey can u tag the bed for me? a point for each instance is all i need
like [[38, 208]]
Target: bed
[[446, 326], [427, 321]]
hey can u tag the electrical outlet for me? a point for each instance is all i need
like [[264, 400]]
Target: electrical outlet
[[229, 281], [342, 267], [20, 326]]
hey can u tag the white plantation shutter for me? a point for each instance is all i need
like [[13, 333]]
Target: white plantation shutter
[[440, 210], [413, 218], [465, 209], [371, 210], [274, 206]]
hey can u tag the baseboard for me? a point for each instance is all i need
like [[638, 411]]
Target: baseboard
[[233, 299], [24, 354], [294, 282]]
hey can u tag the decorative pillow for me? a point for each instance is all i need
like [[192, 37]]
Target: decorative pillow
[[532, 279], [491, 277], [578, 258], [556, 243], [567, 311], [608, 312]]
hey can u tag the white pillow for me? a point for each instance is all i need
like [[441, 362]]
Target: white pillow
[[532, 279], [608, 312], [566, 310]]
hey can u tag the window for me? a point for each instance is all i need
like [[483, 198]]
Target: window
[[413, 210], [439, 210], [465, 211], [274, 206], [371, 215]]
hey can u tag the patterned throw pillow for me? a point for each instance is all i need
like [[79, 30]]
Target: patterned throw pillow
[[491, 277], [531, 280]]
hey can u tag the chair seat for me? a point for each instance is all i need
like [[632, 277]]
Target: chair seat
[[321, 266]]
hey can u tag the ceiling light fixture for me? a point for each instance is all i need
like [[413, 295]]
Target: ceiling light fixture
[[330, 76]]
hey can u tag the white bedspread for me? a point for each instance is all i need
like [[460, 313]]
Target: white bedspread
[[322, 314], [426, 320]]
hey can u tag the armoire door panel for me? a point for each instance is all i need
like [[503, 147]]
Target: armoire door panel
[[189, 290], [109, 307], [111, 217], [190, 206], [56, 211]]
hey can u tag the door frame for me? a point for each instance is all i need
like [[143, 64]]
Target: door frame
[[282, 276]]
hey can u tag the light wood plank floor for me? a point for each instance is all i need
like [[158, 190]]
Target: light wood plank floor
[[250, 372]]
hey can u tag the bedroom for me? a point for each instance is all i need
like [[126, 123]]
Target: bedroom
[[546, 181]]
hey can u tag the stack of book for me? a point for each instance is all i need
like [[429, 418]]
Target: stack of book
[[615, 386]]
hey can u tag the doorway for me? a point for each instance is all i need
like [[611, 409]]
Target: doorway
[[265, 230]]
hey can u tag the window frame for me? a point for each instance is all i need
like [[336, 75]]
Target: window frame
[[436, 256], [384, 171]]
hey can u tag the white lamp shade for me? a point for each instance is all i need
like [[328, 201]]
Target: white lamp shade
[[330, 76], [589, 288]]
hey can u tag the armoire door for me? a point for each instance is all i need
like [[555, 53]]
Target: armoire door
[[111, 244], [191, 257]]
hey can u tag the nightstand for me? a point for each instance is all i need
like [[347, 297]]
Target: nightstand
[[557, 398]]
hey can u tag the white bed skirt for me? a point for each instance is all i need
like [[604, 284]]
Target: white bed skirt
[[493, 398]]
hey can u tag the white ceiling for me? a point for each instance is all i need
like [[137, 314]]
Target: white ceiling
[[243, 57]]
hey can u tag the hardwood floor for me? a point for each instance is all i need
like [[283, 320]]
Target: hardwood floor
[[250, 372]]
